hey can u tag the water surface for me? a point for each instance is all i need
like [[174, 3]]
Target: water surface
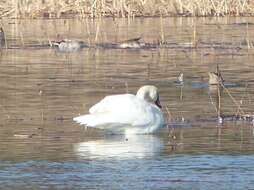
[[43, 89]]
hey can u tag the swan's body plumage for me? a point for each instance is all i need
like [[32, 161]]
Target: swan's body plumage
[[125, 113]]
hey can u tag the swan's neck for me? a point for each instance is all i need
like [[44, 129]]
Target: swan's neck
[[144, 95], [148, 93]]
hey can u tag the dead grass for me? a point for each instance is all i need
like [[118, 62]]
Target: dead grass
[[124, 8]]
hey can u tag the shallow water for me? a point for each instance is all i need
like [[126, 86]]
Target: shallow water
[[43, 89]]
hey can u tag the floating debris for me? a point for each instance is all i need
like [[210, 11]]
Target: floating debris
[[244, 23], [227, 118], [24, 136], [220, 120], [247, 117]]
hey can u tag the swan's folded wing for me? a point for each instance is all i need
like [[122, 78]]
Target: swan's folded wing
[[111, 103], [123, 112]]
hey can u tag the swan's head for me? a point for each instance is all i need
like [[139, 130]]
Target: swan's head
[[150, 94]]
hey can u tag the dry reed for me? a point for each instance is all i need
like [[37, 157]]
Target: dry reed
[[124, 8]]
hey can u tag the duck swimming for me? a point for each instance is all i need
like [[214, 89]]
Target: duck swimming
[[69, 45], [131, 44], [179, 80], [126, 113]]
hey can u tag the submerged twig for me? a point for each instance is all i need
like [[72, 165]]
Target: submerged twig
[[219, 94], [169, 115], [234, 100]]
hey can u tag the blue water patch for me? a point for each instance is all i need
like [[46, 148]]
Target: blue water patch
[[165, 172], [201, 84]]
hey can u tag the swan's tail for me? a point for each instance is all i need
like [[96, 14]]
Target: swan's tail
[[94, 120], [101, 121], [88, 120]]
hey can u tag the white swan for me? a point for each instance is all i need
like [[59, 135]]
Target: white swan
[[126, 113]]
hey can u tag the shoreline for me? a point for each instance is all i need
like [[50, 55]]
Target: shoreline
[[125, 8]]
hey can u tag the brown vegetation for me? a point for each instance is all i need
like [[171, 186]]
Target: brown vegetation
[[124, 8]]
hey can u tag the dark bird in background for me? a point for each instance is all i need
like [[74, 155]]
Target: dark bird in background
[[2, 38]]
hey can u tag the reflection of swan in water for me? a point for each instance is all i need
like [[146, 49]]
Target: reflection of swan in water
[[120, 147]]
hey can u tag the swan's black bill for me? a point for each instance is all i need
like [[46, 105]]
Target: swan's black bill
[[157, 103]]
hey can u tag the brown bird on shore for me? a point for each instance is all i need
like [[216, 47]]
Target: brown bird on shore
[[131, 43], [2, 38], [215, 78]]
